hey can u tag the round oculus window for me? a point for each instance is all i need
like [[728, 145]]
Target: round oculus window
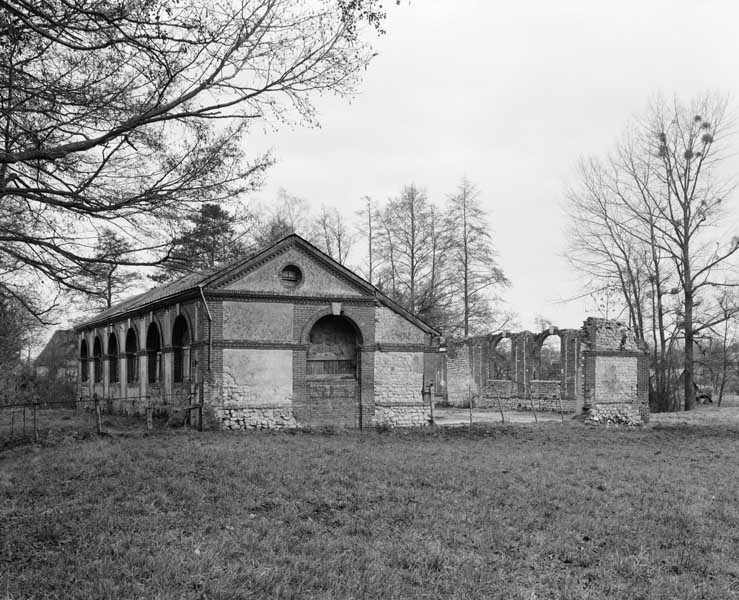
[[291, 276]]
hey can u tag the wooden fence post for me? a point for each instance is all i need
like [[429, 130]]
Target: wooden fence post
[[431, 403], [149, 417], [561, 414], [469, 402], [98, 415], [35, 420], [531, 401]]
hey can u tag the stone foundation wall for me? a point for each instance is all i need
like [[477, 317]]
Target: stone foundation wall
[[615, 414], [550, 404], [544, 388], [402, 416], [254, 418], [503, 388]]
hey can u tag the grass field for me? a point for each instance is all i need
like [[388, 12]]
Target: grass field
[[548, 511]]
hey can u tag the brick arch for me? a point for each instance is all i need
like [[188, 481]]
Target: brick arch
[[186, 313], [153, 343], [499, 363], [84, 356], [181, 344], [325, 312], [330, 381], [540, 339], [131, 348]]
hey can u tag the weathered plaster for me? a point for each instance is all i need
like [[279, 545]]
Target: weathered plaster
[[254, 377]]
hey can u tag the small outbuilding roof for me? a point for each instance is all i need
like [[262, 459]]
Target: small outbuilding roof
[[62, 346], [193, 284]]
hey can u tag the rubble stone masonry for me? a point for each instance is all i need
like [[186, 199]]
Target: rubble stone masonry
[[604, 373]]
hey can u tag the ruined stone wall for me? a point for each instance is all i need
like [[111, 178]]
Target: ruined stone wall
[[544, 388], [503, 388], [460, 384], [601, 364]]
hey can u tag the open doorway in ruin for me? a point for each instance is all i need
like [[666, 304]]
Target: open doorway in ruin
[[501, 374], [550, 358]]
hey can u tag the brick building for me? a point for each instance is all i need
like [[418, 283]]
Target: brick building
[[287, 337]]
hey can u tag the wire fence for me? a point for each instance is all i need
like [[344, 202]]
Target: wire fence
[[34, 421]]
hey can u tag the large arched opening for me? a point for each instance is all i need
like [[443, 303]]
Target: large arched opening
[[180, 350], [97, 360], [333, 372], [550, 358], [113, 358], [84, 358], [501, 371], [132, 365], [501, 360], [153, 353]]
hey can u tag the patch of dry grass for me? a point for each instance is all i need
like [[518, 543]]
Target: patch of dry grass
[[554, 511]]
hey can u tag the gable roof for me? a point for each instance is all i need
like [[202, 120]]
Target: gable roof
[[191, 284]]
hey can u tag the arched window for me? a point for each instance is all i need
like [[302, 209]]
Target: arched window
[[132, 365], [97, 358], [180, 349], [153, 353], [113, 357], [84, 357]]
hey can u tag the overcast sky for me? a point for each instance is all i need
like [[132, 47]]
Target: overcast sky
[[510, 94]]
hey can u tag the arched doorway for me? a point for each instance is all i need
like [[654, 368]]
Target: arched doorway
[[550, 358], [332, 373]]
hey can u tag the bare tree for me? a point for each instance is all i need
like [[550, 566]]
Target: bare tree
[[472, 257], [329, 231], [289, 214], [367, 227], [720, 355], [656, 206], [132, 112], [408, 244]]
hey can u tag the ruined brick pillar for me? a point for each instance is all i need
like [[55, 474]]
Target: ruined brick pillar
[[614, 374], [524, 357], [570, 359]]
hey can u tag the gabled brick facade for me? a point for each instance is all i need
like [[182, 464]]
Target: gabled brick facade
[[285, 338]]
